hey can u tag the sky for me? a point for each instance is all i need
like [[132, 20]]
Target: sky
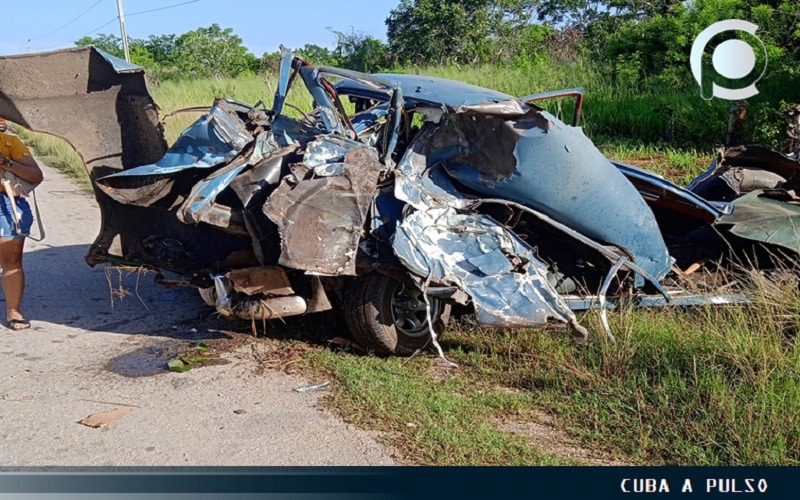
[[263, 25]]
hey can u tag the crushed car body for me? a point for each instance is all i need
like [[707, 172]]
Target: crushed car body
[[395, 197]]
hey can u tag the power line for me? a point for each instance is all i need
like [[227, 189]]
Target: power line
[[136, 13], [162, 8], [72, 21], [103, 26]]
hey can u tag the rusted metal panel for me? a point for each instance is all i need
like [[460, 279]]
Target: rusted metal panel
[[321, 219], [258, 280], [93, 101]]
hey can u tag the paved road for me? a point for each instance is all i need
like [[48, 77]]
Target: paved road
[[90, 352]]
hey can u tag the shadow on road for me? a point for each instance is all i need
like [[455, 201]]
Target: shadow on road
[[63, 290]]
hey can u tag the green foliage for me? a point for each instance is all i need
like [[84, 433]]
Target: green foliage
[[107, 43], [141, 56], [160, 47], [460, 32], [271, 61], [316, 55], [360, 52], [210, 51]]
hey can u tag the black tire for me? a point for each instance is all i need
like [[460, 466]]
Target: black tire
[[387, 317]]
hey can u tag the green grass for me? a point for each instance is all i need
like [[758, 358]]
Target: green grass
[[678, 165], [172, 96], [57, 153], [433, 421], [707, 386]]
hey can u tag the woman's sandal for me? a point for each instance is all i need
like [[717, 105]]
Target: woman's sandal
[[19, 324]]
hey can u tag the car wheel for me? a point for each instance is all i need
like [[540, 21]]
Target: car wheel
[[388, 317]]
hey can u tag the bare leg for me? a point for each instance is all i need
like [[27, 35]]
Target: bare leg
[[13, 276]]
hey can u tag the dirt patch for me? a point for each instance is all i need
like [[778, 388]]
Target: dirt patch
[[277, 356], [439, 370], [546, 437]]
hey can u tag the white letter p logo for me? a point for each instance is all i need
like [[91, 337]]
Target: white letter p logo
[[732, 59]]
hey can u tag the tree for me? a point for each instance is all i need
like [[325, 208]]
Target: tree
[[581, 14], [318, 55], [360, 52], [210, 51], [161, 47], [458, 31], [271, 61], [141, 55], [107, 43], [433, 31]]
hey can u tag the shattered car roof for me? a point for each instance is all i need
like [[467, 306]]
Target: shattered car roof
[[427, 90]]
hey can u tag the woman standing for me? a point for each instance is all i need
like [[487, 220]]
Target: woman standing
[[16, 159]]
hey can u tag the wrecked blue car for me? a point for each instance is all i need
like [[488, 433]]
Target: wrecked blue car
[[394, 198]]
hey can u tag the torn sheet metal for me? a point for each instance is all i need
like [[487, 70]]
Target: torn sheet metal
[[507, 283], [681, 201], [321, 219], [481, 145], [743, 169], [266, 173], [325, 157], [287, 59], [201, 205], [327, 119], [769, 217], [503, 276], [120, 65], [214, 139], [367, 119]]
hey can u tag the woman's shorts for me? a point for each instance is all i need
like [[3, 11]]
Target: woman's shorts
[[8, 229]]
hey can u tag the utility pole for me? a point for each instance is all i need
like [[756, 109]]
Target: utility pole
[[122, 31]]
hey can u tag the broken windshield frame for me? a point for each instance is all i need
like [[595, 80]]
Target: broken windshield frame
[[332, 115]]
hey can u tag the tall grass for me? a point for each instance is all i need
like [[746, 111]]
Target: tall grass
[[57, 153], [708, 385], [172, 96]]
